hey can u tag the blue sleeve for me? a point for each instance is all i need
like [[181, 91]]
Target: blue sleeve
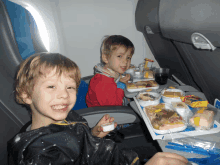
[[81, 96], [121, 85]]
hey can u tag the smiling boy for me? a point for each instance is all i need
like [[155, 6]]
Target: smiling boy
[[47, 84]]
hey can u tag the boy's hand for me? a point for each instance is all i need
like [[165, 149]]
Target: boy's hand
[[166, 158], [125, 79], [98, 130]]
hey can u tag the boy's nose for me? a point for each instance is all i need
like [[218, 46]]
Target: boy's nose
[[125, 61], [63, 93]]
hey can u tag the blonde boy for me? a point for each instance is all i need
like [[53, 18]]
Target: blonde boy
[[105, 88]]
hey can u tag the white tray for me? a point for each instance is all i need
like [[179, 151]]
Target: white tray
[[168, 136]]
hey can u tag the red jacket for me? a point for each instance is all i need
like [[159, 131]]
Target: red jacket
[[103, 91]]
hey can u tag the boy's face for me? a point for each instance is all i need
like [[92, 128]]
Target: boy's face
[[119, 61], [52, 98]]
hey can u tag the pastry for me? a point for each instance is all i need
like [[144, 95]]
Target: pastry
[[172, 94], [146, 97], [202, 119], [142, 84]]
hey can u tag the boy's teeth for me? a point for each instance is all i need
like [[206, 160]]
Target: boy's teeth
[[58, 106]]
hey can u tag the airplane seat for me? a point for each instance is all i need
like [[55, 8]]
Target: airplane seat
[[193, 28], [164, 51], [13, 116]]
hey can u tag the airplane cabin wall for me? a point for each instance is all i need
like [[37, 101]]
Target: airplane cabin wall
[[76, 28]]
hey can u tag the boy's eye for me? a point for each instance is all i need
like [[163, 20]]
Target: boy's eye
[[71, 88], [119, 56], [51, 86], [129, 58]]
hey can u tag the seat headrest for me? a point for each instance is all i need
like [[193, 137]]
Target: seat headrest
[[146, 16], [179, 19]]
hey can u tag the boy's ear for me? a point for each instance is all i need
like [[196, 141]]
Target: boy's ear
[[105, 58], [26, 98]]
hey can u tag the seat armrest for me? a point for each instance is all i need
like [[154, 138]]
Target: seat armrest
[[122, 114]]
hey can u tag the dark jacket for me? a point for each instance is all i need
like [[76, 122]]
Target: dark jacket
[[68, 143]]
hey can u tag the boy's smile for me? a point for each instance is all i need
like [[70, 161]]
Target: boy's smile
[[52, 98], [120, 60]]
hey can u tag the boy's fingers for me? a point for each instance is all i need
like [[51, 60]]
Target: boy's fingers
[[173, 161], [107, 116], [100, 129], [111, 119], [175, 156], [116, 124]]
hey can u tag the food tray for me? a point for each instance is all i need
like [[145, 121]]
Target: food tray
[[189, 131]]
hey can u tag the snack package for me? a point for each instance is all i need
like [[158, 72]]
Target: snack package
[[203, 119], [163, 117], [183, 110], [172, 94], [148, 74], [148, 97], [194, 101], [148, 63]]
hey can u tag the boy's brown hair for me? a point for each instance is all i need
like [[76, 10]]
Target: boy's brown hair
[[111, 43], [39, 65]]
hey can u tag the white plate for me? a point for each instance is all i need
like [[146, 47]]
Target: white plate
[[167, 106]]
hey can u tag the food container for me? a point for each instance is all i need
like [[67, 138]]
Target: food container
[[173, 123], [172, 95], [148, 98], [108, 126], [183, 110], [138, 74], [203, 119], [141, 85]]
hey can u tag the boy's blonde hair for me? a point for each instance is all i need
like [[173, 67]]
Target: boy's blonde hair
[[111, 43], [40, 65]]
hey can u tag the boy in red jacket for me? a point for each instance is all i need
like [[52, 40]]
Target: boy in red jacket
[[106, 87]]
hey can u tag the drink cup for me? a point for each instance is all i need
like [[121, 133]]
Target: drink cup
[[161, 75]]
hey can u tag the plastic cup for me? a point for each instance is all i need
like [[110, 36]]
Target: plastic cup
[[161, 75]]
